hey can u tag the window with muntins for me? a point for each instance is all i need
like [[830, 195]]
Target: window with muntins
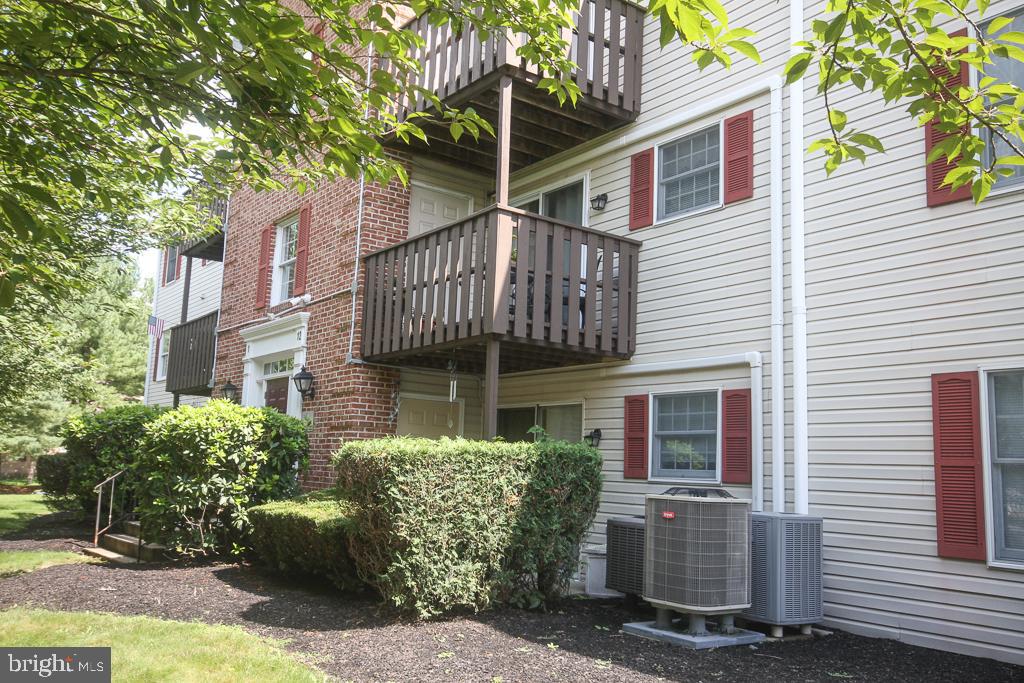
[[165, 353], [1005, 70], [684, 438], [689, 173], [170, 264], [1006, 449], [284, 260]]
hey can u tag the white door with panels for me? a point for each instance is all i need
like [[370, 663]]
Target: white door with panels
[[431, 207], [429, 418]]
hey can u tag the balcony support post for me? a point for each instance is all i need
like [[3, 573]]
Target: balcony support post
[[185, 289], [491, 388], [504, 140]]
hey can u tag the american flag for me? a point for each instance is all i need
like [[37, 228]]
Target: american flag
[[156, 326]]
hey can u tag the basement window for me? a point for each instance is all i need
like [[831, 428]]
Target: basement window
[[684, 436], [1006, 455]]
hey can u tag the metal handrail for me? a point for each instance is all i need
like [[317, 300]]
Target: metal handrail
[[112, 480]]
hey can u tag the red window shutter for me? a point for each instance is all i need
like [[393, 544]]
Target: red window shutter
[[936, 171], [177, 265], [739, 157], [301, 252], [641, 189], [634, 451], [263, 269], [959, 495], [736, 438], [167, 264]]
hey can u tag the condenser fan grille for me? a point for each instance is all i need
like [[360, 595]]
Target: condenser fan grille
[[697, 553]]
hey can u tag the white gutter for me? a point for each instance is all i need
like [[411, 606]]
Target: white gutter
[[751, 358], [797, 273]]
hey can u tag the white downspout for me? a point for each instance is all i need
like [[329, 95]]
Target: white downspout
[[359, 228], [797, 274], [751, 358], [778, 372]]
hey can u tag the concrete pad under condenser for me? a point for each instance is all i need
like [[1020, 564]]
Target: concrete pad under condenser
[[647, 629]]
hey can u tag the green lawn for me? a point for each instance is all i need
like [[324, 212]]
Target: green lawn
[[17, 482], [16, 509], [147, 649], [22, 561]]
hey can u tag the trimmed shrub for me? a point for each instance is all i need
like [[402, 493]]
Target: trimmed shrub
[[200, 469], [53, 470], [97, 446], [307, 535], [455, 524]]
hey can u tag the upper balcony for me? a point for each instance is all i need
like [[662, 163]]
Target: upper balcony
[[210, 247], [463, 71], [191, 357], [552, 293]]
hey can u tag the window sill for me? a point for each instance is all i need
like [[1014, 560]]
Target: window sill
[[685, 482], [1007, 564], [690, 214], [1015, 188]]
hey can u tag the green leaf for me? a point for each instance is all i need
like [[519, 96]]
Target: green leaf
[[77, 176], [796, 66], [746, 49], [838, 120]]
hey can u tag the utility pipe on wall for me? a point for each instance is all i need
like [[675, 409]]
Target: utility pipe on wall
[[797, 273], [778, 373]]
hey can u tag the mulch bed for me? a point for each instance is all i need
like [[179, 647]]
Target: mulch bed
[[354, 638], [18, 488], [55, 531]]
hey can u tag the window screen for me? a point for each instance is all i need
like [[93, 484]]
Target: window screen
[[1006, 439], [685, 436], [688, 173], [1005, 70]]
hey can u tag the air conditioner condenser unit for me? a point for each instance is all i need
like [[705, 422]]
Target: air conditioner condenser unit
[[786, 571]]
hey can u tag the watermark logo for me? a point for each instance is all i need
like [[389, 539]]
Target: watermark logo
[[80, 664]]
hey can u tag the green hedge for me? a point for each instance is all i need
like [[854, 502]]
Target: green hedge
[[199, 470], [456, 524], [306, 535], [97, 446]]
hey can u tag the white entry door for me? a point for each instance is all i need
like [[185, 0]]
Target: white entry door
[[430, 207], [430, 418]]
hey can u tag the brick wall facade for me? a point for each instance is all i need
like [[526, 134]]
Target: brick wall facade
[[352, 401]]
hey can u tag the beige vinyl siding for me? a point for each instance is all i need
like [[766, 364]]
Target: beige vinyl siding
[[897, 291], [204, 297]]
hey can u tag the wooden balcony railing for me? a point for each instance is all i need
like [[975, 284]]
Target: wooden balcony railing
[[210, 247], [606, 45], [190, 362], [507, 273]]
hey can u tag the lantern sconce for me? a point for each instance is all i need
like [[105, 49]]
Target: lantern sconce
[[304, 383], [599, 202], [229, 391], [593, 438]]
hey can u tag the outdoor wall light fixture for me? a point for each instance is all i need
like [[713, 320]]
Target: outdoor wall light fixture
[[229, 391], [304, 382], [599, 202], [593, 438]]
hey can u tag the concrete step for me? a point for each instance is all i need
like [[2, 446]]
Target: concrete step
[[131, 528], [110, 555], [129, 545]]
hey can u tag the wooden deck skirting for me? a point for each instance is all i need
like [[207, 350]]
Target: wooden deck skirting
[[190, 362], [496, 274]]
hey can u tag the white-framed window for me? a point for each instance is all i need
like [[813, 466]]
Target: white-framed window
[[685, 436], [1005, 70], [281, 366], [566, 202], [164, 355], [689, 171], [563, 421], [285, 249], [171, 264], [1005, 406]]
